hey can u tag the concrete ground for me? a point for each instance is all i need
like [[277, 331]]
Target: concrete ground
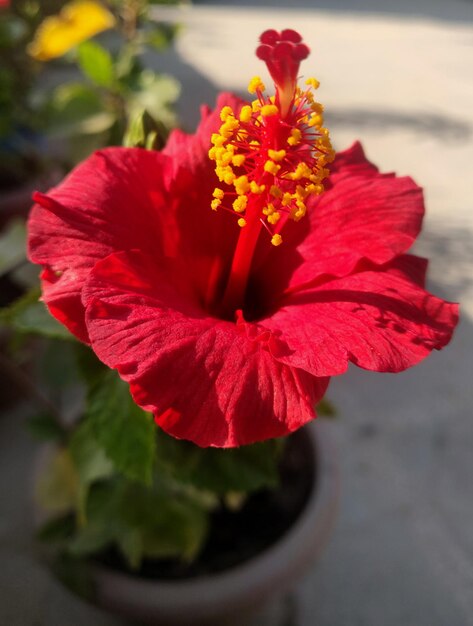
[[397, 75]]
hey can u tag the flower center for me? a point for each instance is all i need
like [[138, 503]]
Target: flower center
[[270, 156]]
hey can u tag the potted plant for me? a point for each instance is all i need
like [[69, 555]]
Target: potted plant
[[221, 282]]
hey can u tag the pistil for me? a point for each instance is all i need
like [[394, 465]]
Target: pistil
[[270, 157]]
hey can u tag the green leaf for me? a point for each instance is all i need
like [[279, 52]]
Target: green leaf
[[90, 462], [96, 63], [45, 428], [143, 132], [89, 366], [29, 315], [169, 524], [57, 486], [243, 469], [325, 408], [12, 246], [162, 35], [125, 432], [90, 539], [89, 458], [156, 94], [76, 108], [151, 522], [57, 530]]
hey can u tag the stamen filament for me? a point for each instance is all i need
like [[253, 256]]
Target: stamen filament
[[270, 157]]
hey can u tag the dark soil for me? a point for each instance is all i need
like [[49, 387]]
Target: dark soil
[[237, 536]]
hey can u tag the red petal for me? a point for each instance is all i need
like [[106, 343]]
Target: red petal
[[362, 215], [206, 380], [207, 238], [115, 200], [380, 321]]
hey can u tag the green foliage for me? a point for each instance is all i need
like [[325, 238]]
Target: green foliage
[[96, 63], [143, 132], [29, 315], [126, 432], [57, 530], [45, 428], [325, 408], [57, 487], [243, 469], [89, 458], [90, 462], [161, 36], [12, 246], [76, 108], [143, 522], [156, 94]]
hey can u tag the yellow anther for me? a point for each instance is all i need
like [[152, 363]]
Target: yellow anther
[[269, 109], [309, 97], [217, 139], [271, 167], [228, 176], [299, 214], [295, 137], [275, 191], [313, 82], [218, 193], [276, 240], [239, 205], [215, 204], [255, 188], [286, 199], [255, 106], [226, 158], [245, 113], [316, 120], [274, 218], [242, 186], [269, 210], [276, 155], [238, 160], [256, 84], [226, 131], [225, 113], [302, 171], [301, 192], [241, 222], [212, 154], [317, 107]]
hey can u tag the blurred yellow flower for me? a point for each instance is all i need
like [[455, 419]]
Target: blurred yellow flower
[[78, 20]]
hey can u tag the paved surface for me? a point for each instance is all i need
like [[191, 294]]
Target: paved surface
[[399, 78]]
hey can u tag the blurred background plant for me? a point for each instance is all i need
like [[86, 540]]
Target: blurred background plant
[[109, 47], [77, 77]]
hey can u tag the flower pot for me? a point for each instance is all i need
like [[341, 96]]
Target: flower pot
[[230, 596]]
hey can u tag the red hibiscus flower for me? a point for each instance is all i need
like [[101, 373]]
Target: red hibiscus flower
[[228, 323]]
